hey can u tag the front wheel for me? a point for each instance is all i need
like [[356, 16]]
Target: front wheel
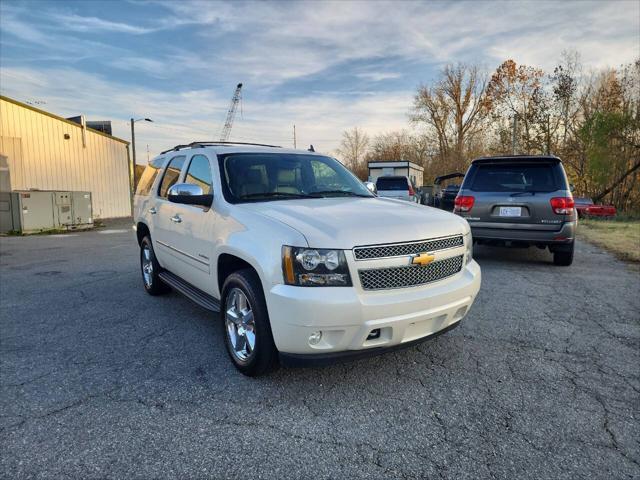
[[246, 327], [564, 257], [150, 269]]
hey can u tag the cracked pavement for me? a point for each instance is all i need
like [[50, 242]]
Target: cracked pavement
[[100, 380]]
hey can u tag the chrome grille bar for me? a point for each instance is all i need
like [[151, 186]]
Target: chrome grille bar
[[404, 249]]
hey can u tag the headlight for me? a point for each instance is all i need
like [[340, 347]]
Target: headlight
[[468, 243], [314, 267]]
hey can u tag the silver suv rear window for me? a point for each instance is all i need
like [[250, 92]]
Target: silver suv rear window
[[392, 183], [516, 178]]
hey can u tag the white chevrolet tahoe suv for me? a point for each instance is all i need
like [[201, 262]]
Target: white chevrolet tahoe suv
[[305, 264]]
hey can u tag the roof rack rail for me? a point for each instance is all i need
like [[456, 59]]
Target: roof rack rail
[[206, 144]]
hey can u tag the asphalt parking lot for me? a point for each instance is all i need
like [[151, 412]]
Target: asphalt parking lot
[[100, 380]]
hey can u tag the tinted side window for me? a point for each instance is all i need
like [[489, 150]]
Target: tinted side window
[[199, 173], [171, 175], [148, 177]]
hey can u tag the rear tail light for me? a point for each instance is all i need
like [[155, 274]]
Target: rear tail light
[[411, 192], [562, 205], [463, 203]]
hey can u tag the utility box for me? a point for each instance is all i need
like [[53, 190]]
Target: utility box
[[62, 208], [82, 209], [34, 211]]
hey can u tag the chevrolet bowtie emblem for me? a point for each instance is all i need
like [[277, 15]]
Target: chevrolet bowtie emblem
[[423, 259]]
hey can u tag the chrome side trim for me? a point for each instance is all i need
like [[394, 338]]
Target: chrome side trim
[[182, 253]]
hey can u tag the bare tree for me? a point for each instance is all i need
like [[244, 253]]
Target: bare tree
[[453, 108], [353, 149]]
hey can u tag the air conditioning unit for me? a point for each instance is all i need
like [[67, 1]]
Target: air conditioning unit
[[31, 211]]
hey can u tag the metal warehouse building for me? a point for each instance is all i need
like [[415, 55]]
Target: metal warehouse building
[[42, 151]]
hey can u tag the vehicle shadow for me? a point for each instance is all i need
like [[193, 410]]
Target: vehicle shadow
[[501, 255]]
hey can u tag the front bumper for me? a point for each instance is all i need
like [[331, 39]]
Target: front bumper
[[347, 315], [565, 234]]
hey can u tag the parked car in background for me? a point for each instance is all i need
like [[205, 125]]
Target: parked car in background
[[437, 191], [299, 260], [586, 208], [448, 197], [520, 200], [398, 187], [425, 194]]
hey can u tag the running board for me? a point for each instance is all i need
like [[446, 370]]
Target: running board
[[193, 293]]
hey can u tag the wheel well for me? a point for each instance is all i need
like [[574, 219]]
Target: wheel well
[[142, 231], [227, 264]]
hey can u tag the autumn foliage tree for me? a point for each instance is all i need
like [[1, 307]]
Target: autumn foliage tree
[[591, 121]]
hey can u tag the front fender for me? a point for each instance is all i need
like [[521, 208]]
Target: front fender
[[257, 240]]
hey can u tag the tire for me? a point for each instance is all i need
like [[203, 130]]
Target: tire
[[150, 268], [563, 258], [245, 318]]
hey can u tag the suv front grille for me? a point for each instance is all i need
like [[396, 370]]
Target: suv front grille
[[409, 276], [402, 249]]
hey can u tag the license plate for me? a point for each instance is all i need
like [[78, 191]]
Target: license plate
[[510, 211]]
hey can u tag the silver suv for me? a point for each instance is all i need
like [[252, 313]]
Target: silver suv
[[398, 187], [520, 200]]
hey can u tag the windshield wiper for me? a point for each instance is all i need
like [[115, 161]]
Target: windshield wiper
[[340, 192], [276, 194], [531, 192]]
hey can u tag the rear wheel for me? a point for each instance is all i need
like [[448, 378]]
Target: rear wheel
[[150, 269], [564, 257], [246, 327]]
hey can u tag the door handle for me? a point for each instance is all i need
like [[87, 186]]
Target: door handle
[[152, 210], [176, 219]]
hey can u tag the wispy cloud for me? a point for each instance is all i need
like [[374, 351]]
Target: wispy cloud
[[324, 66], [378, 76], [199, 114], [78, 23]]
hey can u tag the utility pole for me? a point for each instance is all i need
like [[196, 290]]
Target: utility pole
[[548, 134], [294, 136], [133, 145], [133, 151], [514, 137]]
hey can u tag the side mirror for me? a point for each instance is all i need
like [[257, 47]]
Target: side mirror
[[189, 194], [371, 187], [572, 187]]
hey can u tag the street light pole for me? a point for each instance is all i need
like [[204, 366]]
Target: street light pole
[[133, 152], [133, 146]]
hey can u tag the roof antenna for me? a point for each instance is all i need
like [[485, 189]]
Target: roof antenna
[[311, 149]]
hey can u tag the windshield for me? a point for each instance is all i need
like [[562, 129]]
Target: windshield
[[516, 178], [255, 177], [392, 183]]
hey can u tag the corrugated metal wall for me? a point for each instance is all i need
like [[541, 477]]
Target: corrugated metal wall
[[48, 161]]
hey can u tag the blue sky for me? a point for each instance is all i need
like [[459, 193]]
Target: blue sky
[[325, 66]]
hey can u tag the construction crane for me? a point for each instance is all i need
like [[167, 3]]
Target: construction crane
[[231, 114]]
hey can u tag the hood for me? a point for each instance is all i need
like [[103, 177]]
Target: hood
[[345, 223]]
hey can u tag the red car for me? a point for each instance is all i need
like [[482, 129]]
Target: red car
[[586, 208]]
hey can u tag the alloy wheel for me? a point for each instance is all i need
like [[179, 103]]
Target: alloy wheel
[[240, 325], [147, 266]]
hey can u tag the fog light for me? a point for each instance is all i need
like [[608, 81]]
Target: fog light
[[315, 338], [374, 334]]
